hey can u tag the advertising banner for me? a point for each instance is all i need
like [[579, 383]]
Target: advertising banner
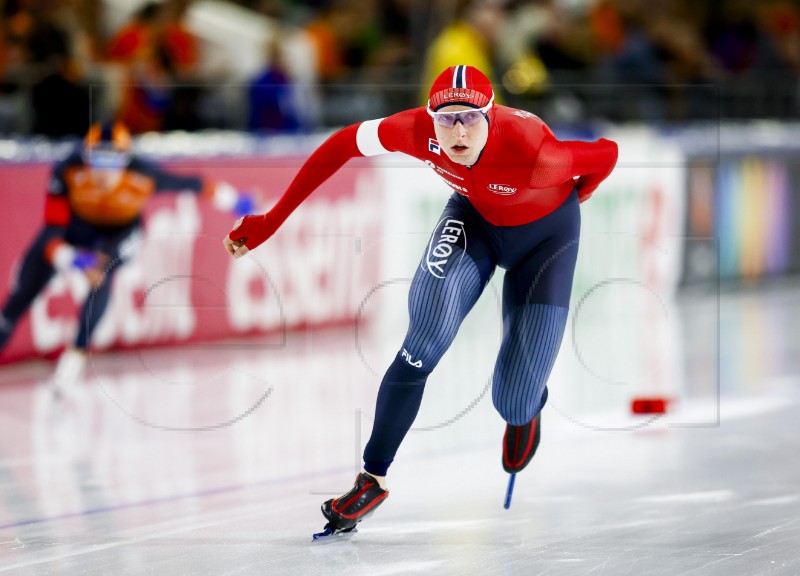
[[741, 208], [181, 286], [741, 216]]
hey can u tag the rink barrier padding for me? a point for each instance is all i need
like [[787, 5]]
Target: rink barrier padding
[[181, 288]]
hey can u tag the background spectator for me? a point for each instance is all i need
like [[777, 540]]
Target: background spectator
[[164, 69], [148, 91], [330, 34], [181, 53], [470, 39], [60, 100], [272, 97]]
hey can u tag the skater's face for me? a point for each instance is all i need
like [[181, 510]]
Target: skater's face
[[462, 133], [107, 165]]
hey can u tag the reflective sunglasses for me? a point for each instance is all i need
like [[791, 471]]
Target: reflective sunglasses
[[467, 117], [99, 159], [449, 119]]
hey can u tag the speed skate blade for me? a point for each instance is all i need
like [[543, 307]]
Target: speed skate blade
[[331, 534], [509, 491]]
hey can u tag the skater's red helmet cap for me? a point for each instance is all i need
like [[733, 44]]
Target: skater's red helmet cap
[[462, 84]]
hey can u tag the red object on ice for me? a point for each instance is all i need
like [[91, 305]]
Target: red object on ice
[[654, 405]]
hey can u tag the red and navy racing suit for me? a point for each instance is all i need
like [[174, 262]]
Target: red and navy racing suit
[[517, 207]]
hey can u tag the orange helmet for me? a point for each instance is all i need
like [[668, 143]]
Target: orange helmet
[[107, 146]]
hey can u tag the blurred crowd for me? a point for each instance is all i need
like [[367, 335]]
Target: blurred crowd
[[62, 62]]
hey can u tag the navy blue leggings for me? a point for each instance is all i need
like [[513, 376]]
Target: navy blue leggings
[[36, 272], [462, 254]]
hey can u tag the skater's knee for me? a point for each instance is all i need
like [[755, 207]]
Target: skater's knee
[[519, 405], [425, 346], [44, 241], [405, 369]]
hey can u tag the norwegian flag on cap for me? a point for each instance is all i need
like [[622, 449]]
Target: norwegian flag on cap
[[461, 85]]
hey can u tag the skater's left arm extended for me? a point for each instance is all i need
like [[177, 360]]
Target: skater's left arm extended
[[224, 196], [363, 139], [163, 180]]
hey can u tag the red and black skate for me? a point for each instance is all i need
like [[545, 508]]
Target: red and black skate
[[520, 444], [344, 512]]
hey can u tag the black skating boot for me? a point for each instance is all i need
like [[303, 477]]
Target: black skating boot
[[520, 444], [352, 507]]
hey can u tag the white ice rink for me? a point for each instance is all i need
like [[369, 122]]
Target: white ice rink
[[214, 459]]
